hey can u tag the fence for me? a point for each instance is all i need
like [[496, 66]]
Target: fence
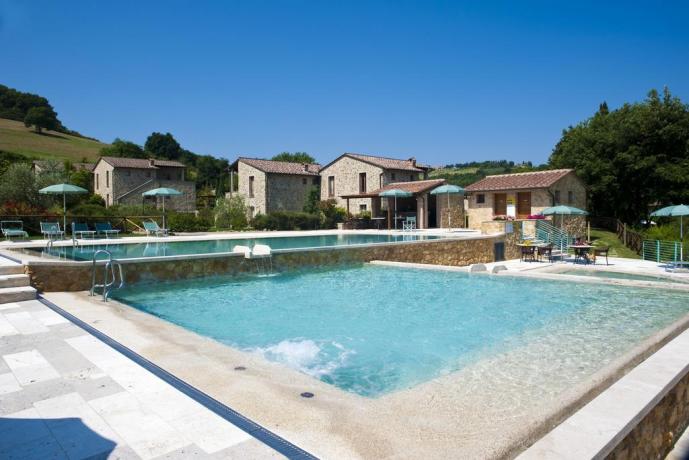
[[630, 238], [124, 223], [663, 251]]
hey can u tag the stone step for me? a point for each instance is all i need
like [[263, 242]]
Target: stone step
[[14, 281], [17, 294], [11, 269]]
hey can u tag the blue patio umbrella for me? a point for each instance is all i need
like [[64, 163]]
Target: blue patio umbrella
[[562, 210], [395, 192], [64, 190], [164, 192], [448, 189], [679, 210]]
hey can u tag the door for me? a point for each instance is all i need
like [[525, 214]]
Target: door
[[499, 204], [523, 205]]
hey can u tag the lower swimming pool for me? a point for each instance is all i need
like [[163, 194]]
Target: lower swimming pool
[[373, 330], [162, 248], [618, 275]]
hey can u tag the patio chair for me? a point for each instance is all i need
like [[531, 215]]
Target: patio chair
[[81, 230], [528, 253], [12, 228], [601, 251], [105, 228], [152, 228], [545, 251], [51, 230], [409, 223]]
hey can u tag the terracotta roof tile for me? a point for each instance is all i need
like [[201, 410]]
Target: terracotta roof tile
[[389, 163], [282, 167], [519, 181], [414, 187], [141, 163]]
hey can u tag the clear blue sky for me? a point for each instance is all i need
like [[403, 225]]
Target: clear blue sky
[[443, 81]]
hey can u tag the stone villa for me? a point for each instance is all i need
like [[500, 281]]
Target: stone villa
[[123, 180], [269, 186], [520, 195]]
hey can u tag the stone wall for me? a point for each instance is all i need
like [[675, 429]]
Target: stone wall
[[102, 181], [346, 171], [258, 201], [71, 276], [288, 192], [456, 210], [656, 433]]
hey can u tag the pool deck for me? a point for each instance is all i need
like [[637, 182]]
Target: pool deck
[[451, 416]]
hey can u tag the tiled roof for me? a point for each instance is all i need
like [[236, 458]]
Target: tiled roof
[[389, 163], [141, 163], [414, 187], [282, 167], [42, 164], [519, 181]]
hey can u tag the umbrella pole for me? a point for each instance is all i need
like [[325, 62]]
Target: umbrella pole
[[164, 212], [64, 213], [449, 214], [395, 212]]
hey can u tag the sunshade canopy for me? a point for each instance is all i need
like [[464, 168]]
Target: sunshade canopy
[[395, 192], [61, 189], [672, 211], [162, 191], [563, 210], [447, 188]]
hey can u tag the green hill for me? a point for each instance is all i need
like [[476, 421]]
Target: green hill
[[16, 138]]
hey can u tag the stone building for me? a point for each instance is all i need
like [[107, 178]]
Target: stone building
[[269, 186], [39, 166], [521, 195], [123, 180], [356, 176]]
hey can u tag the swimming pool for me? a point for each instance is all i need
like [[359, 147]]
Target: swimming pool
[[618, 275], [160, 248], [372, 330]]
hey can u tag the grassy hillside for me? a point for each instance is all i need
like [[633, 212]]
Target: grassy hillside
[[16, 138]]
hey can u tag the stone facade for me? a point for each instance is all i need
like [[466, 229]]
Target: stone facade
[[256, 200], [570, 190], [71, 276], [118, 185], [455, 211], [658, 431]]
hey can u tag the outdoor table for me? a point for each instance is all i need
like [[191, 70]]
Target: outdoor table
[[581, 250], [379, 221]]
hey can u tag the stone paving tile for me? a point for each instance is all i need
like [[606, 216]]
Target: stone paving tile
[[253, 449], [30, 367], [8, 383], [25, 323]]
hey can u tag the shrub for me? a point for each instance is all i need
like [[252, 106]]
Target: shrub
[[330, 214], [186, 222], [89, 210], [286, 220], [230, 214]]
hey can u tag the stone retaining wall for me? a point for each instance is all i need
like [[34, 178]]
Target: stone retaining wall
[[70, 276], [655, 435]]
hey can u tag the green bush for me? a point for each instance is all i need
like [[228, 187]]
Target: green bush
[[230, 214], [669, 231], [286, 220], [187, 222], [89, 210]]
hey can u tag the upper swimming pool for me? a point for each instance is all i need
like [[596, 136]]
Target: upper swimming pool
[[160, 247], [372, 330]]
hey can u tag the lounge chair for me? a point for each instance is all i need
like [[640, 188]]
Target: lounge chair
[[152, 228], [51, 230], [105, 228], [81, 230], [12, 228]]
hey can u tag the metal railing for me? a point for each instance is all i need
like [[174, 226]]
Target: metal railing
[[663, 251], [111, 270], [545, 231]]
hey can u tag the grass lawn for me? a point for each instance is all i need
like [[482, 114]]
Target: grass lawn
[[617, 249], [16, 138]]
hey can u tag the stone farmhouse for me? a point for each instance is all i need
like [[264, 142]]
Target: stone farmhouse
[[123, 180], [269, 186], [39, 166], [520, 195]]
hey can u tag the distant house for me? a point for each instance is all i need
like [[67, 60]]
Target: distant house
[[123, 180], [269, 186], [523, 194], [356, 176], [40, 166]]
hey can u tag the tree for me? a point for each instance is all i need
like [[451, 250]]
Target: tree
[[230, 213], [163, 146], [296, 157], [124, 149], [41, 118], [312, 200], [630, 158], [18, 184]]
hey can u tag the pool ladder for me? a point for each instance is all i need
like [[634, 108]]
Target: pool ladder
[[111, 270]]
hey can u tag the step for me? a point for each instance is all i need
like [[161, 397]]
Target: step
[[17, 294], [14, 281], [11, 269]]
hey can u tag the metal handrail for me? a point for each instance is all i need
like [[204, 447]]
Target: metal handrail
[[108, 272]]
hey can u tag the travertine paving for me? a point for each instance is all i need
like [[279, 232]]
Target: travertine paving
[[65, 394]]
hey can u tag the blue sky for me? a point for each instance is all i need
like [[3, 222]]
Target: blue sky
[[445, 82]]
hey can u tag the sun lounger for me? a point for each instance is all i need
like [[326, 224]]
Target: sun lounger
[[105, 228], [152, 228], [81, 230], [51, 230], [12, 228]]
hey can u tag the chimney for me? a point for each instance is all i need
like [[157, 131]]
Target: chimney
[[151, 162], [306, 167], [413, 161]]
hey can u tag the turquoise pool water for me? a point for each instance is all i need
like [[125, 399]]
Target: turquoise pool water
[[162, 248], [618, 275], [372, 330]]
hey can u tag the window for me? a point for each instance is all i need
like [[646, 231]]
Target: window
[[411, 177], [107, 179], [107, 199], [381, 180], [480, 198], [251, 186], [392, 176], [499, 204], [303, 180], [557, 197], [97, 182], [148, 173], [331, 186], [362, 182], [251, 212], [570, 197], [316, 180], [362, 207]]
